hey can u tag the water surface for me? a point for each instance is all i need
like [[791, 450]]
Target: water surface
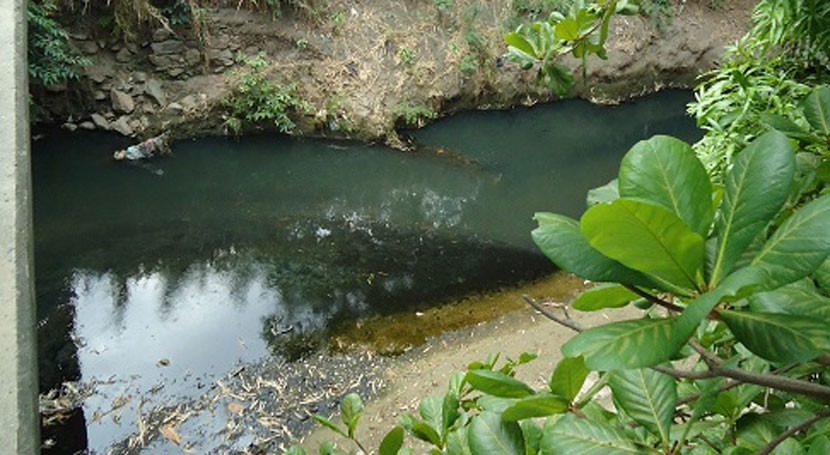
[[155, 278]]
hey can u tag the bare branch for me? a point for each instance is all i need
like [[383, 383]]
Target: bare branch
[[653, 299], [793, 431], [569, 323]]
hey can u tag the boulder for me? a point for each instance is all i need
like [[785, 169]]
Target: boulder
[[168, 47], [161, 34], [88, 47], [175, 108], [89, 126], [99, 95], [122, 103], [69, 126], [122, 126], [140, 76], [124, 55], [153, 89], [192, 57], [99, 122]]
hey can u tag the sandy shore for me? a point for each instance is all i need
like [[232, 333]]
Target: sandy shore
[[425, 371]]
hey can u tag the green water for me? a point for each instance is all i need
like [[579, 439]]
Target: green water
[[229, 250]]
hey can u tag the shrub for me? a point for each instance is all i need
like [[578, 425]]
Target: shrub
[[256, 100]]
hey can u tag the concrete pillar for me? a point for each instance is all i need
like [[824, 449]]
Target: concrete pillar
[[19, 420]]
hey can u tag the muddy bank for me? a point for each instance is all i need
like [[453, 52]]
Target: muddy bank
[[366, 68]]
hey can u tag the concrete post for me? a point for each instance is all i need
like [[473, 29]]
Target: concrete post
[[19, 419]]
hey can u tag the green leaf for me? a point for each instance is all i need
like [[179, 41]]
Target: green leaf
[[392, 442], [786, 126], [296, 450], [665, 171], [432, 411], [637, 343], [449, 412], [779, 337], [489, 434], [822, 275], [571, 434], [558, 79], [330, 425], [457, 442], [350, 410], [699, 309], [799, 246], [648, 397], [568, 377], [532, 434], [567, 29], [755, 189], [498, 384], [819, 446], [541, 405], [609, 192], [424, 432], [520, 43], [604, 296], [562, 242], [792, 299], [817, 109], [647, 238]]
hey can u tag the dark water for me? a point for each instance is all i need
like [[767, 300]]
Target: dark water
[[172, 272]]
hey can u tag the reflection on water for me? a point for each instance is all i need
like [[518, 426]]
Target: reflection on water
[[154, 279]]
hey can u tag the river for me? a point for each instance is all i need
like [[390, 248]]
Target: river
[[173, 272]]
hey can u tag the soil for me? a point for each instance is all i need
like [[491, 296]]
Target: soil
[[362, 66]]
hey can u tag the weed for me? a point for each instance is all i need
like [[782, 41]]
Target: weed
[[256, 99], [414, 115], [406, 56]]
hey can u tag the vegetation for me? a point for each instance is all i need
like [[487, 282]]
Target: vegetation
[[256, 99], [725, 247], [414, 115], [52, 59]]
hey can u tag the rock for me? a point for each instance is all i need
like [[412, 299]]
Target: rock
[[99, 121], [192, 57], [132, 47], [99, 95], [175, 71], [97, 73], [167, 47], [161, 34], [222, 57], [153, 89], [175, 108], [122, 126], [140, 76], [88, 47], [188, 102], [89, 126], [121, 102], [69, 126], [124, 55]]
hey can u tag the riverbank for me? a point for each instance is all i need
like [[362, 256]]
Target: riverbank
[[426, 370], [367, 68]]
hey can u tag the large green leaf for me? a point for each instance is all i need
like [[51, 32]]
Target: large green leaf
[[755, 189], [799, 246], [822, 275], [734, 284], [568, 377], [489, 434], [520, 43], [817, 109], [793, 299], [636, 343], [350, 410], [648, 397], [457, 442], [541, 405], [665, 171], [562, 242], [498, 384], [786, 126], [779, 337], [571, 434], [431, 410], [604, 296], [647, 238]]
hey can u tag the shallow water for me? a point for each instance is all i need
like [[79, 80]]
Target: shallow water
[[164, 275]]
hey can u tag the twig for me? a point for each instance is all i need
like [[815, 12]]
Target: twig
[[538, 307], [657, 301], [792, 431], [685, 374], [823, 359]]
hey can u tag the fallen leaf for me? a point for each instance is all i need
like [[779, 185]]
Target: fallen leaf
[[235, 408], [171, 435]]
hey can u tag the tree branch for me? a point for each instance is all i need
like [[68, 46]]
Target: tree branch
[[793, 431], [685, 374], [657, 301], [569, 323]]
